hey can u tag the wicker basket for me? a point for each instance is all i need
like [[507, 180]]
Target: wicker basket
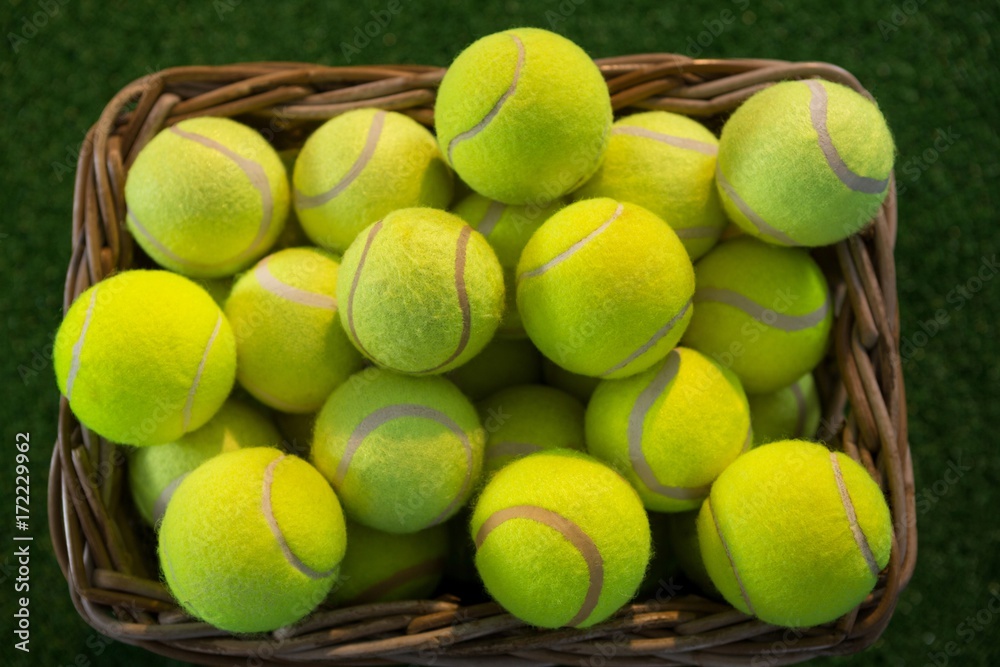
[[108, 558]]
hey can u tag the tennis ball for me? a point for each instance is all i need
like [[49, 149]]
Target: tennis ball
[[604, 288], [507, 229], [795, 534], [804, 163], [154, 472], [523, 116], [217, 288], [144, 357], [251, 540], [359, 167], [581, 386], [762, 311], [382, 567], [420, 291], [206, 197], [291, 347], [561, 540], [789, 413], [526, 419], [682, 532], [502, 363], [664, 162], [402, 452], [671, 429]]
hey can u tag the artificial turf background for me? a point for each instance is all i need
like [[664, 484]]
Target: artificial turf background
[[931, 64]]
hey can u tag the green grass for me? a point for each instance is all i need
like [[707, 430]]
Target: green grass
[[934, 74]]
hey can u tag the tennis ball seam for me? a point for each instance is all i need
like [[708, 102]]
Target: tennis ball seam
[[272, 523], [575, 535], [462, 295], [729, 556], [378, 591], [254, 171], [388, 413], [162, 500], [74, 367], [491, 217], [271, 283], [304, 201], [852, 518], [761, 313], [482, 124]]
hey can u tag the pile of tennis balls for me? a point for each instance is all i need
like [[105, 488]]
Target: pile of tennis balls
[[559, 341]]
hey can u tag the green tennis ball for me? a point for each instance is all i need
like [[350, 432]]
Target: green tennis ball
[[252, 540], [359, 167], [420, 291], [526, 419], [789, 413], [503, 363], [523, 116], [664, 162], [671, 429], [561, 540], [762, 311], [206, 197], [795, 534], [217, 288], [144, 357], [382, 567], [291, 347], [682, 532], [154, 472], [805, 163], [507, 229], [604, 288], [402, 452], [581, 386]]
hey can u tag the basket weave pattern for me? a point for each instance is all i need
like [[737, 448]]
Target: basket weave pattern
[[111, 568]]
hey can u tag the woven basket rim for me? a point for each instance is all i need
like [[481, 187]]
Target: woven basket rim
[[96, 545]]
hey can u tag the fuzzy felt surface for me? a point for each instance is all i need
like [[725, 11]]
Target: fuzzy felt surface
[[664, 162], [204, 209], [420, 291], [505, 362], [780, 282], [793, 412], [507, 228], [135, 345], [403, 169], [236, 425], [678, 424], [550, 122], [406, 469], [604, 288], [222, 559], [581, 386], [291, 348], [382, 567], [770, 154], [533, 570], [785, 533], [528, 418]]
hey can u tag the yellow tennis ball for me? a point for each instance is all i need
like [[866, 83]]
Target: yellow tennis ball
[[581, 386], [792, 412], [805, 163], [382, 567], [359, 167], [795, 534], [291, 347], [144, 357], [505, 362], [420, 291], [155, 472], [252, 540], [525, 419], [207, 197], [523, 116], [664, 162], [561, 540], [762, 311], [671, 429], [402, 452], [604, 288]]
